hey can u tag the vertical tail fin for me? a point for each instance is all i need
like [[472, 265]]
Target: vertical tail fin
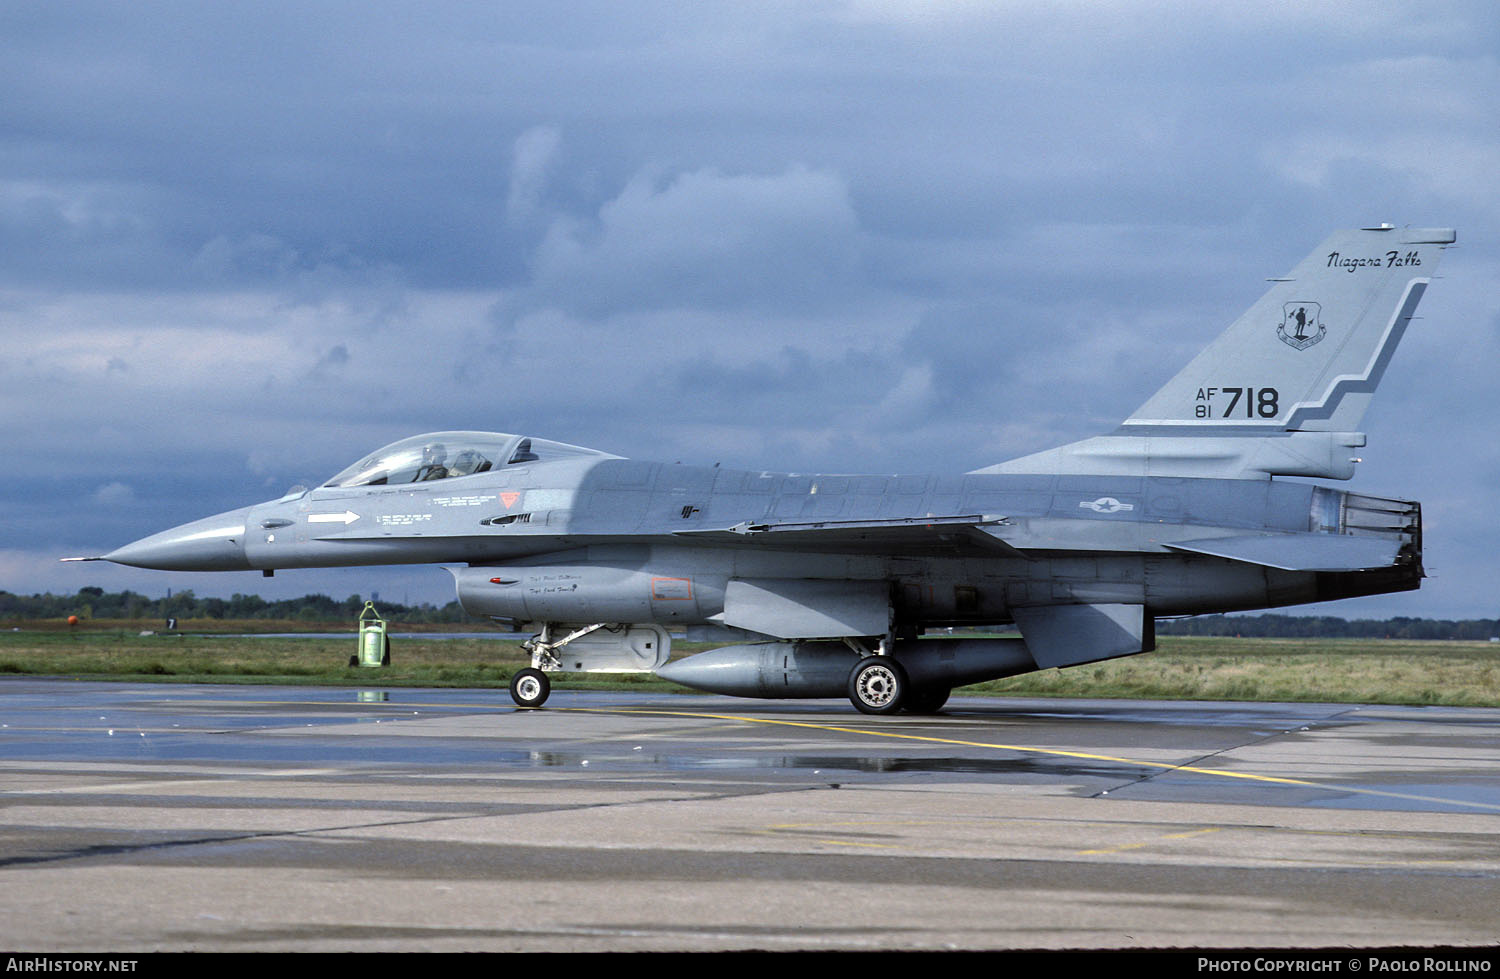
[[1282, 391], [1308, 355]]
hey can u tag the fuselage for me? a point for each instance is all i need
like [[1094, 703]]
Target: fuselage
[[592, 537]]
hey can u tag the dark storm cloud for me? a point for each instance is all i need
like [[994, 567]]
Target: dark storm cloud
[[705, 240]]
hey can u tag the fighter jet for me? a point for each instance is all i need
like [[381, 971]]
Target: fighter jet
[[827, 585]]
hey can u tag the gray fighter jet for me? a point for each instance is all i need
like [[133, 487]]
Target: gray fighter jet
[[827, 585]]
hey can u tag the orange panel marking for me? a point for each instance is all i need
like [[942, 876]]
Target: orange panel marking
[[672, 589]]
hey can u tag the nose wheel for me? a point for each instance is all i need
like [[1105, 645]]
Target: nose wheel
[[529, 688]]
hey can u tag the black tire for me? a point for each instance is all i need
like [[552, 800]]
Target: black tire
[[877, 685], [530, 688], [928, 700]]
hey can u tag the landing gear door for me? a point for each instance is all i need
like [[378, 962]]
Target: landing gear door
[[637, 648]]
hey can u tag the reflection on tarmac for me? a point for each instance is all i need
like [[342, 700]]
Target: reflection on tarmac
[[285, 810]]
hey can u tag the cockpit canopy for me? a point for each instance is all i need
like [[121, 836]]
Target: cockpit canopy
[[449, 455]]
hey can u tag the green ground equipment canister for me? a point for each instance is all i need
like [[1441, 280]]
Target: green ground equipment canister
[[374, 644]]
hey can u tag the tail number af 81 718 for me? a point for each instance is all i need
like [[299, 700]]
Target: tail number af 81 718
[[1242, 402]]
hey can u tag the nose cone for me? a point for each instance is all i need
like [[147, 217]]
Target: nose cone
[[211, 544]]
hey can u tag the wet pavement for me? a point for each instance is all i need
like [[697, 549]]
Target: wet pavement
[[164, 816]]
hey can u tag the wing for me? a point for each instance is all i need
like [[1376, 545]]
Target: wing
[[949, 534], [982, 535]]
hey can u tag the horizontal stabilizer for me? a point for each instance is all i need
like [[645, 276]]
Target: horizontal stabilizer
[[1300, 552]]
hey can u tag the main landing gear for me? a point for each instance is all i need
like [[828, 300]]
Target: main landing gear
[[879, 685], [927, 701]]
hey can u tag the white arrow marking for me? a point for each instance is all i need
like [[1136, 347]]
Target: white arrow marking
[[346, 518]]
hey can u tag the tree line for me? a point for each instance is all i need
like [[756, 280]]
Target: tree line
[[1328, 627], [96, 603]]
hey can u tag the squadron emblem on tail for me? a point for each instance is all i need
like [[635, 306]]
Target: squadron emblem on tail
[[1309, 329]]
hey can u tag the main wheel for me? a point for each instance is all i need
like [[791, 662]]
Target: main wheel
[[529, 688], [928, 700], [877, 685]]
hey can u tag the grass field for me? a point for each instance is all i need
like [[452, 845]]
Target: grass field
[[1182, 668]]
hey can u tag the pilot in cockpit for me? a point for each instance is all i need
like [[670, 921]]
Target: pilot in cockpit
[[433, 458]]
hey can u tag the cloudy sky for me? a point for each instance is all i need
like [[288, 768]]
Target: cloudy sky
[[243, 243]]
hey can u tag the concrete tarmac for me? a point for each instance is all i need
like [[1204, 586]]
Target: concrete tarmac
[[228, 818]]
